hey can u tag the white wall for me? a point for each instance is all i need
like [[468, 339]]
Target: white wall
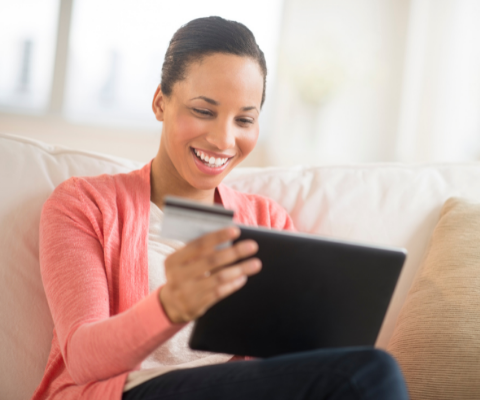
[[440, 118], [339, 81], [377, 80]]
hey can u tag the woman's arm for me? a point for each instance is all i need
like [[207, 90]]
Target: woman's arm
[[94, 344]]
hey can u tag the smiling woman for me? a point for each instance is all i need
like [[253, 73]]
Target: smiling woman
[[210, 124], [209, 100], [123, 298]]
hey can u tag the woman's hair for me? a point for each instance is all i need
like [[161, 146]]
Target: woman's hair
[[205, 36]]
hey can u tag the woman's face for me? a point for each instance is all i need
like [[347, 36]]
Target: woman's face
[[210, 120]]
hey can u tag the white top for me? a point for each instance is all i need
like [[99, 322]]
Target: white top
[[174, 353]]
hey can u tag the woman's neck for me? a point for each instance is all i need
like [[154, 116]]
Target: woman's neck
[[166, 181]]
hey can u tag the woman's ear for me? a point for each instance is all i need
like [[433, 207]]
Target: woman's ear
[[158, 104]]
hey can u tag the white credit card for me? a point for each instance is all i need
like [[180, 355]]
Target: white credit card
[[186, 220]]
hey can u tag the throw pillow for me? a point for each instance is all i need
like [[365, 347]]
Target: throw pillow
[[437, 336]]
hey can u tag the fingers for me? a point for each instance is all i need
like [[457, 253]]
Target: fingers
[[205, 245], [199, 275], [221, 258], [228, 280], [222, 291], [245, 268], [198, 297], [201, 257]]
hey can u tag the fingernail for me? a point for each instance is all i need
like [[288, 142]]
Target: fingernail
[[252, 246], [241, 280], [248, 247]]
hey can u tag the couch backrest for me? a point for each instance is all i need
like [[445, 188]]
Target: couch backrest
[[383, 204]]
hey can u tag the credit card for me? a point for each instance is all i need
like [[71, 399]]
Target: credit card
[[186, 220]]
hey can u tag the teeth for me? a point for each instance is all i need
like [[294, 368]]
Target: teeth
[[212, 161]]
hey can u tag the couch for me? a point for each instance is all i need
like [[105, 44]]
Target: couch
[[387, 204]]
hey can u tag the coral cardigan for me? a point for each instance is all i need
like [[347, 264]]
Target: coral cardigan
[[94, 265]]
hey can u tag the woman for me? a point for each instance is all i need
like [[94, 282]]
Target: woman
[[122, 298]]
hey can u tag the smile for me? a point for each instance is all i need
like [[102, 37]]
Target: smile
[[211, 162]]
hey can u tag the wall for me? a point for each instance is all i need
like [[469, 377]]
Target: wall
[[339, 81]]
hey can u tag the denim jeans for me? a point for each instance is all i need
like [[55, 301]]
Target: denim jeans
[[333, 374]]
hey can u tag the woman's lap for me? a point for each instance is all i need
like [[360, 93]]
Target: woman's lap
[[355, 373]]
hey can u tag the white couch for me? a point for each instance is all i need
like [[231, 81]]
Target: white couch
[[390, 204]]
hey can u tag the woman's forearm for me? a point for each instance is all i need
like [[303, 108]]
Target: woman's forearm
[[95, 344], [103, 349]]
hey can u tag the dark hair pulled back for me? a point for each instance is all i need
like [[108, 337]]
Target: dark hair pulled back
[[205, 36]]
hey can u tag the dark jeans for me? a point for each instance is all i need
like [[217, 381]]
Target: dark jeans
[[353, 373]]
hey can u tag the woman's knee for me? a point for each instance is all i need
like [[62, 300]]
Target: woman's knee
[[380, 373], [365, 373], [384, 360]]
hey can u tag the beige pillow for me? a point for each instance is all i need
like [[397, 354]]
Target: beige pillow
[[437, 336]]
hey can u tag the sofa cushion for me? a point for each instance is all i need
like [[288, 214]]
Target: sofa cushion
[[437, 337]]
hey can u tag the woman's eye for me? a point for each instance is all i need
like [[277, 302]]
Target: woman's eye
[[202, 112], [245, 121]]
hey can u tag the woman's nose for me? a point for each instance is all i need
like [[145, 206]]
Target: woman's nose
[[222, 136]]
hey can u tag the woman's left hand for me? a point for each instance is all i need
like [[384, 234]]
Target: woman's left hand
[[199, 274]]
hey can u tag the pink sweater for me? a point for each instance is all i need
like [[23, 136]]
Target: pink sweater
[[94, 265]]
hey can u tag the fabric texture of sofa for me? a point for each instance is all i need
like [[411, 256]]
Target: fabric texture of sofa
[[390, 204]]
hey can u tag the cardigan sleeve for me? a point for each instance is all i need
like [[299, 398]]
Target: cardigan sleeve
[[95, 345]]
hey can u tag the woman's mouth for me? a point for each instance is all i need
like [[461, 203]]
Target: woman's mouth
[[211, 162]]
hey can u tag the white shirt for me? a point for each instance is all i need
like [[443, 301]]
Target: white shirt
[[174, 353]]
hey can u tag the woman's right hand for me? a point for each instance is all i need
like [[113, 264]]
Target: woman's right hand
[[198, 276]]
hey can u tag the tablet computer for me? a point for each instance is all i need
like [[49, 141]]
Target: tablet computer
[[311, 293]]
